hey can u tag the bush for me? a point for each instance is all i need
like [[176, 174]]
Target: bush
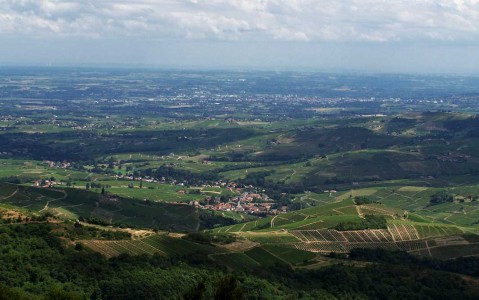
[[362, 200], [441, 197], [369, 222]]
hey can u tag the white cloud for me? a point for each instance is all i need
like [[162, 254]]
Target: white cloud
[[246, 20]]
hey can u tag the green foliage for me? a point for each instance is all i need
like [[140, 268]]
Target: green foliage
[[360, 200], [58, 293], [94, 220], [290, 255], [209, 220], [7, 293], [208, 238], [89, 232], [170, 172], [227, 287], [441, 197], [462, 265], [49, 270], [196, 292], [256, 178], [88, 205], [369, 222], [264, 257]]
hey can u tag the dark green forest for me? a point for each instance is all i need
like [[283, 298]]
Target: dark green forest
[[38, 265]]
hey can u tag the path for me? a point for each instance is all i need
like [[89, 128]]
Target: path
[[272, 254], [290, 175], [65, 195], [199, 222], [136, 233], [302, 198], [13, 194], [272, 221], [242, 227], [358, 210], [447, 217], [428, 249]]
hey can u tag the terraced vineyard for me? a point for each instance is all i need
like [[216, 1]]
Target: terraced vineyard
[[403, 232], [161, 244], [428, 231], [397, 237], [344, 247], [312, 230], [395, 232], [374, 209]]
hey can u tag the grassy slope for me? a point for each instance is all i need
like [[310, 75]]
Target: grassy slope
[[72, 203], [431, 223]]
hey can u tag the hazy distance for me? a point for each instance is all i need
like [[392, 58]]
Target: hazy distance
[[363, 35]]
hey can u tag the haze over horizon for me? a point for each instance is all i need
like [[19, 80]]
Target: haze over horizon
[[422, 36]]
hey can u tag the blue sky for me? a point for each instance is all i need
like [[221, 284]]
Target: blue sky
[[350, 35]]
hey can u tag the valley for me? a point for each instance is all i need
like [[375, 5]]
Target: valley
[[241, 178]]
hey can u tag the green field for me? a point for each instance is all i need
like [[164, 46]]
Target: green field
[[292, 256], [321, 163], [72, 203], [160, 244], [236, 261], [264, 257], [419, 231]]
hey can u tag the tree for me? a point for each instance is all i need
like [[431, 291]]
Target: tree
[[78, 246], [441, 197], [196, 292], [228, 288], [359, 200], [87, 185]]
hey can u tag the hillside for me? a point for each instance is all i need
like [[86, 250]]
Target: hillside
[[187, 270], [72, 204], [183, 184], [338, 224]]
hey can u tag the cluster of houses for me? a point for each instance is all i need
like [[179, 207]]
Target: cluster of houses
[[44, 183], [133, 178], [244, 200], [249, 203], [453, 157], [57, 164]]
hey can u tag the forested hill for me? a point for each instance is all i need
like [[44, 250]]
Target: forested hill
[[38, 265]]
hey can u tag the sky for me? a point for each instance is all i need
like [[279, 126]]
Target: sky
[[425, 36]]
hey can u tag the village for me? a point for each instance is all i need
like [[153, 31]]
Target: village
[[240, 198], [246, 202]]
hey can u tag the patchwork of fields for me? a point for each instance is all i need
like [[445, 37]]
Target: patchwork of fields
[[413, 225]]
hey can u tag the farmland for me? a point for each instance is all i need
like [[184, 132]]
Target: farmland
[[312, 182], [71, 204], [159, 244], [312, 229]]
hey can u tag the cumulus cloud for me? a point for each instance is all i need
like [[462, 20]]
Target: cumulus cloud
[[245, 20]]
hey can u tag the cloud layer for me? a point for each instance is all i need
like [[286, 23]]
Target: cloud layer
[[246, 20]]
